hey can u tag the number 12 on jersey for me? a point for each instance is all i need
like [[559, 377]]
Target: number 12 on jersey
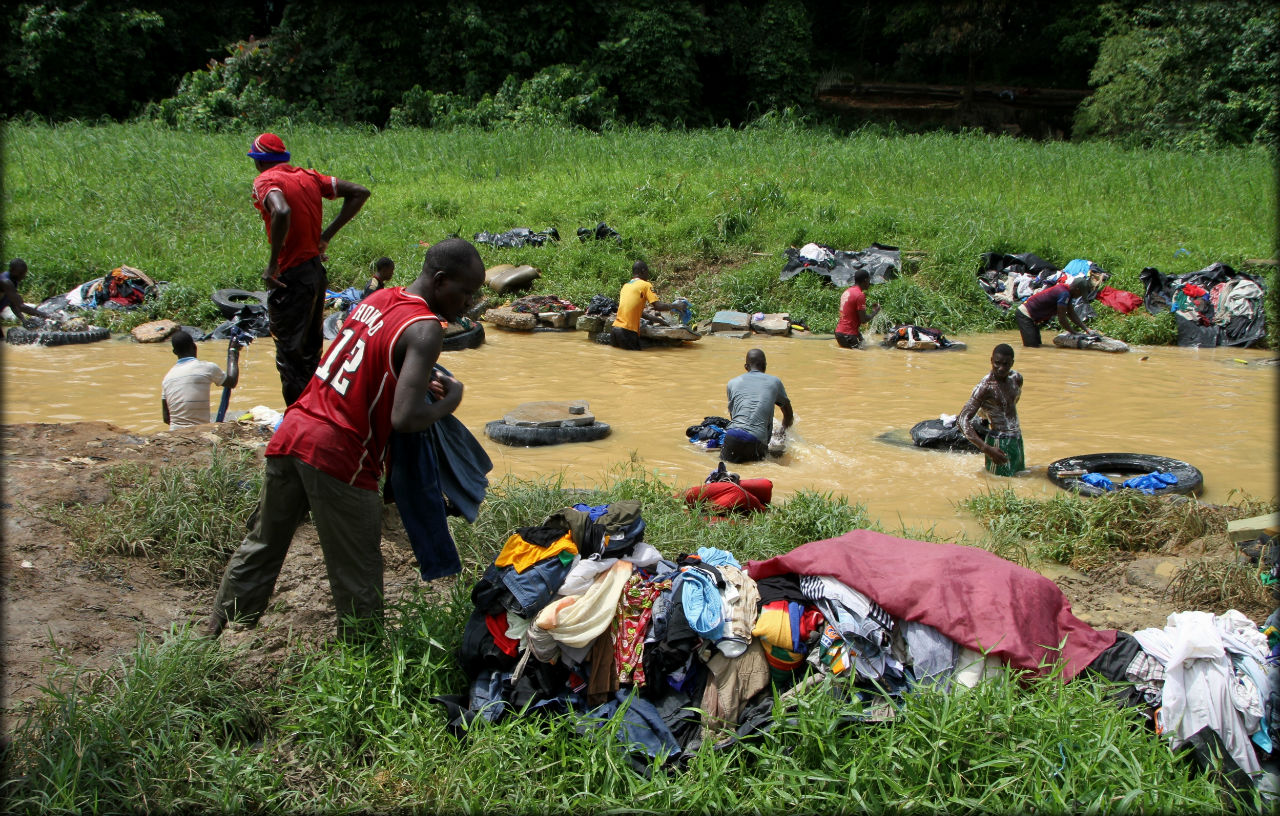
[[341, 379]]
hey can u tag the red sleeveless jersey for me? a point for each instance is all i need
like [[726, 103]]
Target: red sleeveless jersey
[[342, 421]]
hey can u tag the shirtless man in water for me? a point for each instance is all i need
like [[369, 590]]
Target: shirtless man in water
[[997, 397]]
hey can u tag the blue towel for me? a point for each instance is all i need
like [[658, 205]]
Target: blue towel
[[1151, 482], [717, 558], [1098, 480], [702, 604]]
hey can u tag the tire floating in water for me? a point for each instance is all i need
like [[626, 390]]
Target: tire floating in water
[[25, 337], [1065, 473], [528, 436], [468, 339], [549, 422]]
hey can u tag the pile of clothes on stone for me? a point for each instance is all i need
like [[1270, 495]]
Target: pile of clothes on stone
[[882, 262], [541, 304], [1216, 306], [579, 616], [915, 338]]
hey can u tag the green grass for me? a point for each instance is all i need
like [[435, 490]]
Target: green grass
[[80, 200], [186, 518], [1084, 532], [185, 725]]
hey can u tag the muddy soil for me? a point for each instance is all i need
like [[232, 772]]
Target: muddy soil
[[91, 611]]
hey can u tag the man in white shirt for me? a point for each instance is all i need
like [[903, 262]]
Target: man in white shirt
[[184, 393]]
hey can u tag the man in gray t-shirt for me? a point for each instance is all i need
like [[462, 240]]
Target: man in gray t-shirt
[[751, 400]]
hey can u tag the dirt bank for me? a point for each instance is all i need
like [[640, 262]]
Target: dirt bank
[[92, 610]]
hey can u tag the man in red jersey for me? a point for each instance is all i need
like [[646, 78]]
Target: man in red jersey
[[331, 446], [853, 311], [289, 199]]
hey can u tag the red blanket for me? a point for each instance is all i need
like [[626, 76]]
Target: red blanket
[[1120, 300], [974, 597]]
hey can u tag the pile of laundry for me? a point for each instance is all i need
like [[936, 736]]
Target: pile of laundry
[[883, 263], [916, 338], [122, 288], [581, 617], [709, 433], [1208, 681], [724, 492], [541, 304], [1216, 306], [1008, 280], [518, 237]]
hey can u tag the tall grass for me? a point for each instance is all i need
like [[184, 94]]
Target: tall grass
[[189, 725], [187, 518], [699, 206]]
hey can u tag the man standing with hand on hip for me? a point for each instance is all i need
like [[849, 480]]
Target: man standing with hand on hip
[[289, 199]]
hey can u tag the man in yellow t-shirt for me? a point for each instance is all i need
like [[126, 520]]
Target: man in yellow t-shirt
[[636, 295]]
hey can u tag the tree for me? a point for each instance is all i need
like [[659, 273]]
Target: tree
[[1189, 74]]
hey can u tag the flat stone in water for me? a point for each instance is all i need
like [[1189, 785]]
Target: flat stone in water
[[550, 414]]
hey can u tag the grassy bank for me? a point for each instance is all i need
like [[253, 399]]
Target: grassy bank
[[710, 210], [187, 725]]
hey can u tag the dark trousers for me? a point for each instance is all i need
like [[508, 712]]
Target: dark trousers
[[849, 340], [624, 338], [1028, 329], [296, 315], [737, 450], [348, 523]]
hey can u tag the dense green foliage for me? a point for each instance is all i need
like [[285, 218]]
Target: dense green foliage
[[1166, 72], [711, 211], [97, 58], [187, 724], [669, 63], [1187, 74]]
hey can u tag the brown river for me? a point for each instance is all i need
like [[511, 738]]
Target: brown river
[[1214, 408]]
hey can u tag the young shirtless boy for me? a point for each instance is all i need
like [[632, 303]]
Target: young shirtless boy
[[996, 395]]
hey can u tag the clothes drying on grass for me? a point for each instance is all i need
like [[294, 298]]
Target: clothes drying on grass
[[1024, 615], [882, 263], [518, 237], [1118, 299], [1215, 306], [680, 653], [1008, 280]]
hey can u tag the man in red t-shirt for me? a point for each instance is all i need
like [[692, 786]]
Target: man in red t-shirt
[[289, 199], [330, 448], [853, 311]]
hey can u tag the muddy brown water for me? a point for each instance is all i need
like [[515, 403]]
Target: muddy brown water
[[1214, 408]]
